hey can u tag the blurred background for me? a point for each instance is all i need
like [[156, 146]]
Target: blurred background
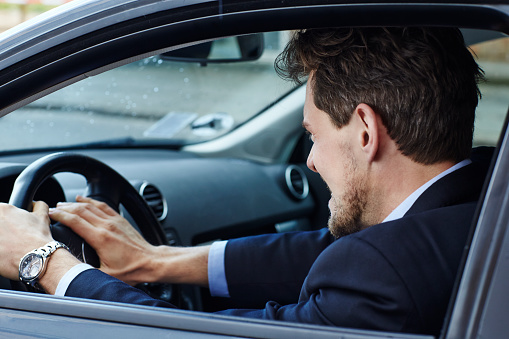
[[493, 56], [13, 12]]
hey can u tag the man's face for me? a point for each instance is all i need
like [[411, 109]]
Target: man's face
[[331, 156]]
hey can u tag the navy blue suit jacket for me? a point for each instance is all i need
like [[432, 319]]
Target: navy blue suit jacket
[[395, 276]]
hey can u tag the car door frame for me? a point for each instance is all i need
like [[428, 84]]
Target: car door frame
[[33, 77]]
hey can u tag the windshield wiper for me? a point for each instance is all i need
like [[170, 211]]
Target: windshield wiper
[[128, 142]]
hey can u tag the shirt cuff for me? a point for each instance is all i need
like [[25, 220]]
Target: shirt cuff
[[216, 271], [69, 276]]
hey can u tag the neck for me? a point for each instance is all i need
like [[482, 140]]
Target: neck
[[392, 183]]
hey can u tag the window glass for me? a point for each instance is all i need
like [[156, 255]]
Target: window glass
[[493, 57], [154, 100], [178, 103]]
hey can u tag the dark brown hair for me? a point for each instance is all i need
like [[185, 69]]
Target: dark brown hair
[[421, 81]]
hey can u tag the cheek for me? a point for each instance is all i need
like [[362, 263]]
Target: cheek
[[326, 160], [337, 172], [329, 173]]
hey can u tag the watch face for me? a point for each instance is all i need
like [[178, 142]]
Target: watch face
[[31, 266]]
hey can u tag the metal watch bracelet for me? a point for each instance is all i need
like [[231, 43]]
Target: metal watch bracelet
[[43, 252]]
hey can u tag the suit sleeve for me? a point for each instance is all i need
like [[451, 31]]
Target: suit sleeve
[[350, 285], [94, 284], [273, 266]]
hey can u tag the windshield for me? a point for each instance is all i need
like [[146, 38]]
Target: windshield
[[165, 102], [152, 100]]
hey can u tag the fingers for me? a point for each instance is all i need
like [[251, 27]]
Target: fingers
[[87, 211], [81, 226], [87, 217], [98, 204], [40, 208], [76, 214], [82, 204]]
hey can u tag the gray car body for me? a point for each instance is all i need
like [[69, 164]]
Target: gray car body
[[77, 40]]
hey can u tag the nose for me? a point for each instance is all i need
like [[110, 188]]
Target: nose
[[310, 163]]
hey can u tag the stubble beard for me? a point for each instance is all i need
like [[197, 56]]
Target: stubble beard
[[348, 210]]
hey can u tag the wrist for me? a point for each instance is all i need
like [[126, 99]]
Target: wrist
[[180, 265], [32, 265], [60, 262]]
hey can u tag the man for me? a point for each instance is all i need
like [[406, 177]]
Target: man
[[390, 113]]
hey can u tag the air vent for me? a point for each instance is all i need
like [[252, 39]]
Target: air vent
[[297, 182], [154, 199]]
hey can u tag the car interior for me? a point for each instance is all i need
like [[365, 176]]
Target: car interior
[[209, 136]]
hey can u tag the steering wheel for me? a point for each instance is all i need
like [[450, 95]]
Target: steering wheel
[[103, 183]]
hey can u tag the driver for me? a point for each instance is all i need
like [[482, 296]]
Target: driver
[[390, 112]]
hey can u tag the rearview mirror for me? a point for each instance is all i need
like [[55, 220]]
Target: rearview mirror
[[232, 49]]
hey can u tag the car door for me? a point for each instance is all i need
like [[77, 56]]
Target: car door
[[90, 47]]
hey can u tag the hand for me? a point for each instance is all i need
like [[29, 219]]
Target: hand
[[21, 232], [124, 253]]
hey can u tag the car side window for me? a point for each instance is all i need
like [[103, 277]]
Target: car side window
[[493, 57]]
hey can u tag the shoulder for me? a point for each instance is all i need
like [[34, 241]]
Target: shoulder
[[415, 246], [410, 263], [443, 226]]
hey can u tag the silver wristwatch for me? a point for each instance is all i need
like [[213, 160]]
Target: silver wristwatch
[[33, 265]]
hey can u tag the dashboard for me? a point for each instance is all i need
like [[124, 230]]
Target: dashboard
[[197, 200]]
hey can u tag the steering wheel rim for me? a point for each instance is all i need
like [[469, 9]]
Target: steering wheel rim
[[103, 183]]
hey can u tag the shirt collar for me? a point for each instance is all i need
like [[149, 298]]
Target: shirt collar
[[400, 211]]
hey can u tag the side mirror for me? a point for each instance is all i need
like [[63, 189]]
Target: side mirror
[[233, 49]]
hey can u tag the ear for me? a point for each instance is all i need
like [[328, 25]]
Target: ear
[[368, 130]]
